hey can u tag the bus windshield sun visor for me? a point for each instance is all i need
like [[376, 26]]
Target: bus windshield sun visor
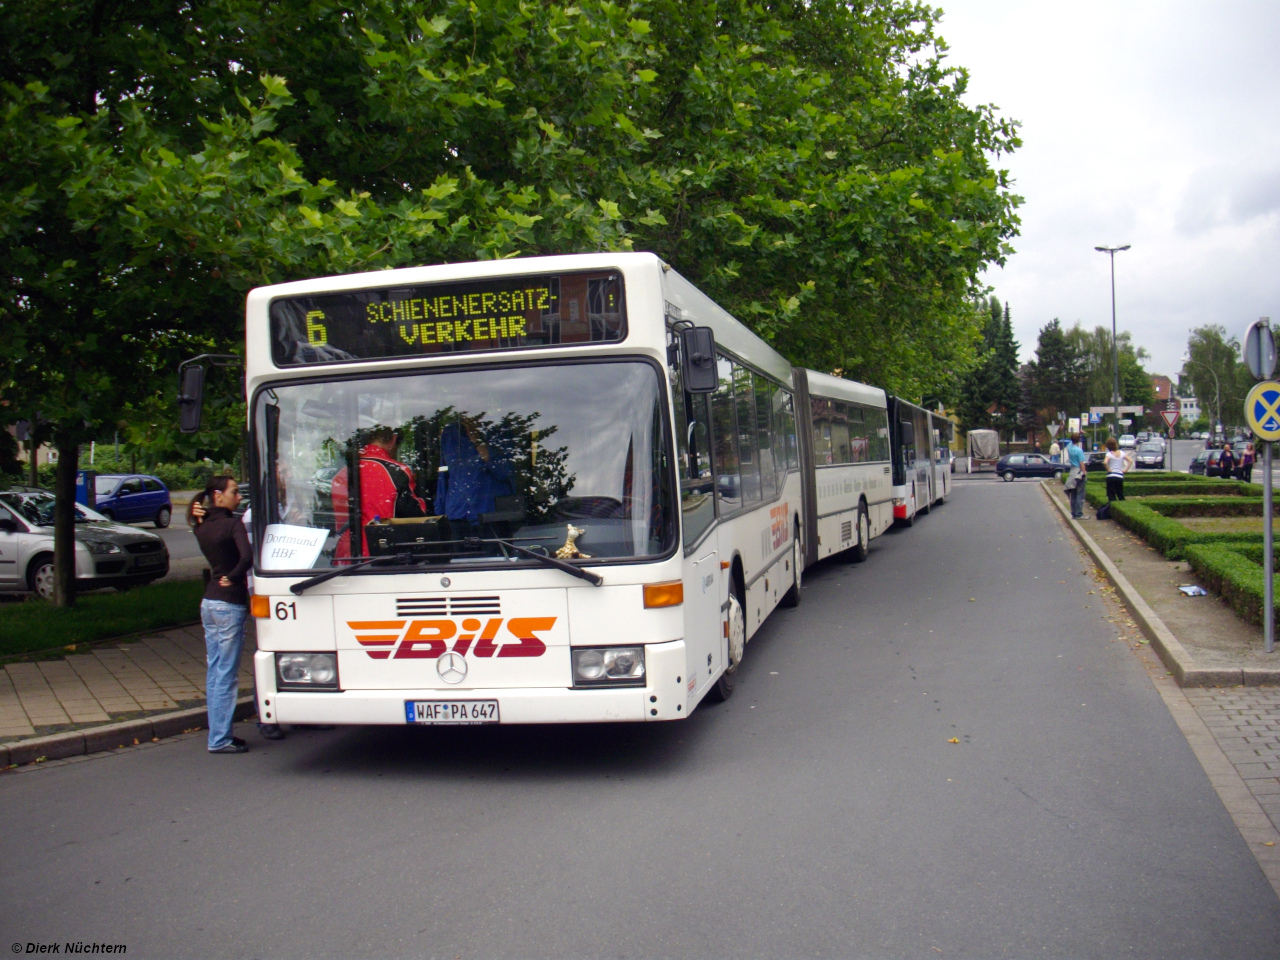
[[453, 467]]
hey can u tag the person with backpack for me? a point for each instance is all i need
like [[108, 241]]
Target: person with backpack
[[387, 489]]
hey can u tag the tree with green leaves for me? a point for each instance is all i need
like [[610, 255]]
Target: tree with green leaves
[[991, 395], [811, 165], [1058, 380], [1217, 373]]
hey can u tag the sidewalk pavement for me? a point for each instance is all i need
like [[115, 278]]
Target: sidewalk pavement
[[1218, 685], [152, 686]]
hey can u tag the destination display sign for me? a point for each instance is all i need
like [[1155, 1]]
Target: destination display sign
[[506, 313]]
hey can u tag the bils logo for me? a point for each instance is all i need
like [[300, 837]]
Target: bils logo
[[429, 639]]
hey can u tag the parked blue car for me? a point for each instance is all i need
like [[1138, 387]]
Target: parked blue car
[[133, 498]]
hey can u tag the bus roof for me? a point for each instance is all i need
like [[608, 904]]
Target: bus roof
[[838, 388]]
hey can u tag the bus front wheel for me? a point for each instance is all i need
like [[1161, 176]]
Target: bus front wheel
[[735, 644]]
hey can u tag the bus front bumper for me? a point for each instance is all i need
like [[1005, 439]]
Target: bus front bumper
[[662, 699]]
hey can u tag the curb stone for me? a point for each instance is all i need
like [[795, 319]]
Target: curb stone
[[1172, 653], [111, 736]]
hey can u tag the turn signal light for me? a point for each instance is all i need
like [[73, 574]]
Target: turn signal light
[[670, 594], [260, 606]]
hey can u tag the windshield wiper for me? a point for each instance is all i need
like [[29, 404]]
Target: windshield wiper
[[592, 578], [298, 588]]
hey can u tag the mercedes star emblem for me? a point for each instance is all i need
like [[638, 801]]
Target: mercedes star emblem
[[452, 667]]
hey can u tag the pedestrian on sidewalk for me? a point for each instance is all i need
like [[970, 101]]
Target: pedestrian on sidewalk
[[1118, 464], [1055, 452], [1227, 465], [1246, 464], [225, 607], [1077, 459]]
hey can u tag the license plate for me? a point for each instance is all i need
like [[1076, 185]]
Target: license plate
[[451, 712], [150, 561]]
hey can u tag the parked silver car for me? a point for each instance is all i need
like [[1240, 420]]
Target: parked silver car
[[108, 554]]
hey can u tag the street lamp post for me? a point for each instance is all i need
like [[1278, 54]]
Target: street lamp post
[[1115, 345]]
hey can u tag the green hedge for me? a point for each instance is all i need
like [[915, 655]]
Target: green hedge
[[1152, 476], [1227, 571], [1168, 535], [1205, 506], [1214, 488]]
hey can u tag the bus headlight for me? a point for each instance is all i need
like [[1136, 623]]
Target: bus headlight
[[307, 671], [608, 666]]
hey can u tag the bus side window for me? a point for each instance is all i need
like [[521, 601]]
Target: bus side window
[[778, 403], [840, 432], [764, 436], [748, 461], [821, 430], [789, 422], [725, 434]]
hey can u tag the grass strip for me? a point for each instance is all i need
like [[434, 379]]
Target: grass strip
[[1232, 575], [1205, 506], [33, 625]]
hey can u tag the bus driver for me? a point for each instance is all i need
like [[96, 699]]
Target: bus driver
[[387, 488]]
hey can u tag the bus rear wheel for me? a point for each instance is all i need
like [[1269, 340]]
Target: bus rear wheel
[[858, 552], [735, 644]]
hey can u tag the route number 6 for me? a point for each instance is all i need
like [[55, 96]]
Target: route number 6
[[286, 611]]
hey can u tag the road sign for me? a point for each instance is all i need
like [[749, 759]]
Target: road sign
[[1051, 429], [1095, 418], [1262, 410], [1170, 417], [1125, 423], [1260, 349]]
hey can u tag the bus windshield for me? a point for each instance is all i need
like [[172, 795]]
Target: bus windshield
[[566, 460]]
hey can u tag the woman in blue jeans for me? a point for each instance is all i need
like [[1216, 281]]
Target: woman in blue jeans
[[225, 606]]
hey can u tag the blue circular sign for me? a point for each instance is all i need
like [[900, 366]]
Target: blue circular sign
[[1262, 409]]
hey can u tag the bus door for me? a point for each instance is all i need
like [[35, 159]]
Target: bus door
[[702, 591]]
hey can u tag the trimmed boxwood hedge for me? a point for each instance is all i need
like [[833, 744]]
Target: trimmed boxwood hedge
[[1205, 506], [1214, 488], [1168, 535], [1227, 571]]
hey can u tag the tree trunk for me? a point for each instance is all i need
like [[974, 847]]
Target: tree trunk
[[64, 523]]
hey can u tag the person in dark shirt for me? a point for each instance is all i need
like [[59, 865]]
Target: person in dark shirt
[[225, 606], [473, 473]]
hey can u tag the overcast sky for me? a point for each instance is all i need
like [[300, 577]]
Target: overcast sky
[[1155, 124]]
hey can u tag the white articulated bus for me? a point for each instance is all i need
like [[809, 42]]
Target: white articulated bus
[[844, 433], [556, 489]]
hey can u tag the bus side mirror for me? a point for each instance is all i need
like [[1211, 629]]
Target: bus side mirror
[[698, 359], [908, 433], [190, 398]]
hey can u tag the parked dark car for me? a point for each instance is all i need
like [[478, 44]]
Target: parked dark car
[[1149, 456], [1097, 461], [1206, 462], [1015, 465], [133, 498]]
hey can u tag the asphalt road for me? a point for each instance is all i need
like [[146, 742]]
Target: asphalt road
[[821, 812]]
